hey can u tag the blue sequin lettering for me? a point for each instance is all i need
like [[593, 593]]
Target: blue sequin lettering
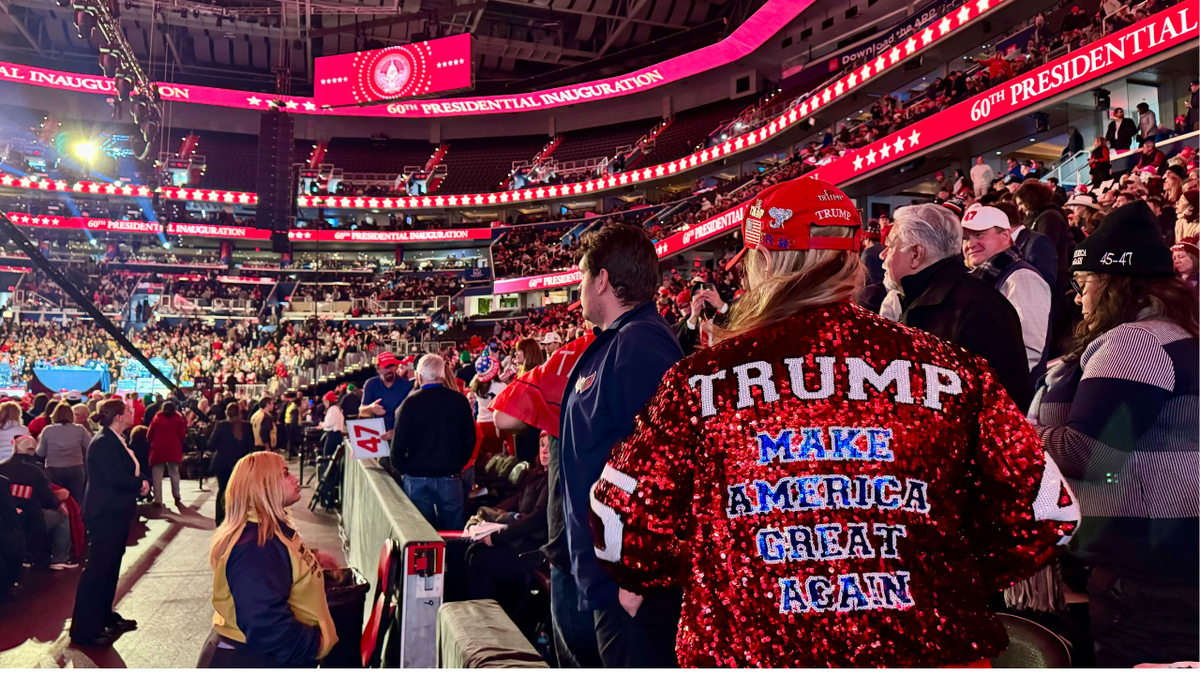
[[779, 447], [914, 496], [808, 496], [893, 590], [812, 445], [739, 503], [887, 502], [852, 595], [863, 493], [791, 596], [889, 534], [777, 497], [770, 545], [879, 445], [828, 547], [857, 544], [837, 492], [820, 593], [844, 442], [800, 541]]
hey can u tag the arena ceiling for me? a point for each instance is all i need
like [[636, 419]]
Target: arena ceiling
[[519, 44]]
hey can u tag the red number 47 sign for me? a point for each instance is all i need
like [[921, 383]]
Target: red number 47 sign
[[366, 438]]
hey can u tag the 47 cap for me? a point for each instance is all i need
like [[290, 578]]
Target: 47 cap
[[781, 218]]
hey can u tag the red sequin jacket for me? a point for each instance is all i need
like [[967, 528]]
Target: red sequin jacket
[[832, 490]]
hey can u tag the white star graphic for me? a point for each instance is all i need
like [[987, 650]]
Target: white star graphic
[[963, 15], [827, 95], [894, 55], [858, 160], [254, 100], [884, 151], [804, 108], [982, 5], [672, 168], [916, 135], [927, 36], [659, 170], [871, 157], [880, 64], [728, 147], [866, 71], [839, 88], [910, 46], [944, 25], [899, 145], [852, 80], [308, 105], [291, 105]]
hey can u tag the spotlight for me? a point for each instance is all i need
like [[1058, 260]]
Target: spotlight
[[85, 22], [109, 59], [139, 108], [1102, 99], [123, 85], [85, 150]]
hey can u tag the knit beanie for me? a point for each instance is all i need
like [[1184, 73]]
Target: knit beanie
[[1127, 243]]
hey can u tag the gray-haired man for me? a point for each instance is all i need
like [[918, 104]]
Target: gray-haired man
[[923, 258]]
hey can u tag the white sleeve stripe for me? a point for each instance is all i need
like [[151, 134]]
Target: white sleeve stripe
[[620, 479]]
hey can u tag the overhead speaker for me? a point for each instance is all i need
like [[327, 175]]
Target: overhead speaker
[[276, 185]]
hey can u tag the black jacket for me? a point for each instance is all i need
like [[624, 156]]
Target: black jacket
[[151, 411], [112, 486], [226, 448], [1051, 222], [24, 470], [943, 299], [689, 338], [530, 530], [1121, 137], [434, 433], [1037, 250]]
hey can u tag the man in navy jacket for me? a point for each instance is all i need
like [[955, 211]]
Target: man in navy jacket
[[608, 386]]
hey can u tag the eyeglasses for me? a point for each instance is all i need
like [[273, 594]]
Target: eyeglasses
[[1078, 287]]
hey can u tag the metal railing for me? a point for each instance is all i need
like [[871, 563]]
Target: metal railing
[[1073, 170]]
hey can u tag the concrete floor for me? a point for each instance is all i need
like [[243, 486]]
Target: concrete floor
[[166, 584]]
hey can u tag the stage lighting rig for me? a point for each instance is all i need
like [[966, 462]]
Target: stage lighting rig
[[118, 61]]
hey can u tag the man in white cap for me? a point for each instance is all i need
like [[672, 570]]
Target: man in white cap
[[551, 341], [989, 252]]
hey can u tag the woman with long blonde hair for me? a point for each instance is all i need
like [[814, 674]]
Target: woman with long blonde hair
[[268, 587], [771, 460]]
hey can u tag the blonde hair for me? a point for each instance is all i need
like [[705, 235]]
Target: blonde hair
[[255, 487], [796, 282], [10, 411]]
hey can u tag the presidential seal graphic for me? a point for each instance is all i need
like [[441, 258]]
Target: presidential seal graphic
[[391, 73]]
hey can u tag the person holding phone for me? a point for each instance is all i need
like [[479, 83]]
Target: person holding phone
[[707, 306]]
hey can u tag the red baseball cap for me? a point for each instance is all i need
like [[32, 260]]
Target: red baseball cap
[[386, 359], [781, 218]]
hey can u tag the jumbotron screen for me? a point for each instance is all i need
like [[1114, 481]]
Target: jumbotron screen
[[394, 72]]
